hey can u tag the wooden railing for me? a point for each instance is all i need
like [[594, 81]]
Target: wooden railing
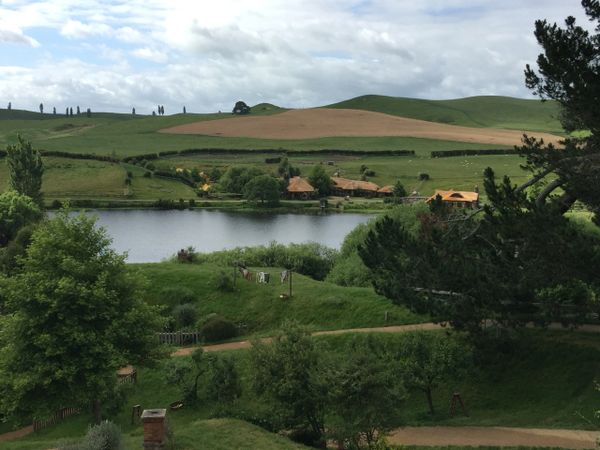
[[179, 338], [40, 424]]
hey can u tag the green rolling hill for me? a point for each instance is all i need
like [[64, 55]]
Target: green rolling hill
[[481, 112]]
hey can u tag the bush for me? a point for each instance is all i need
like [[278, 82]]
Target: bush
[[424, 176], [369, 173], [185, 315], [148, 174], [225, 282], [176, 295], [218, 329], [104, 436], [56, 204]]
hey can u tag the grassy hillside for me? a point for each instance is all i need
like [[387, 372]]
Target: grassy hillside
[[545, 380], [317, 304], [483, 111]]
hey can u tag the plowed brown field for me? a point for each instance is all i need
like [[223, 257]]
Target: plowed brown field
[[323, 122]]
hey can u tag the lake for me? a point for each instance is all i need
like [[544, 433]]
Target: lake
[[151, 235]]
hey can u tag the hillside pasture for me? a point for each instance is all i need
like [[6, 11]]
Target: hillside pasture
[[480, 111]]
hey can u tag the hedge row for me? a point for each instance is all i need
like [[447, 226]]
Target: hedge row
[[326, 151], [60, 154], [495, 151]]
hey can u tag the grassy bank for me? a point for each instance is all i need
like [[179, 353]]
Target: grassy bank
[[260, 310]]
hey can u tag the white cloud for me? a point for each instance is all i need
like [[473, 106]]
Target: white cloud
[[150, 55], [290, 52], [77, 30], [17, 37]]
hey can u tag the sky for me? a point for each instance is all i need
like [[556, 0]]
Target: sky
[[207, 54]]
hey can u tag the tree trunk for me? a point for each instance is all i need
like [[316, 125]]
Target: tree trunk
[[430, 400], [97, 411]]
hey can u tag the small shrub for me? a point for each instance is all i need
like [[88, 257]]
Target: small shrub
[[218, 329], [148, 174], [56, 204], [104, 436], [424, 176], [192, 203], [224, 282], [177, 295], [369, 173], [185, 315]]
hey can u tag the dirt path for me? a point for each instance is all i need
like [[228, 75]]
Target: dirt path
[[494, 436], [327, 122], [16, 434], [247, 344]]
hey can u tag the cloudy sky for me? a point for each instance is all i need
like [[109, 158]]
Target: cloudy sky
[[206, 54]]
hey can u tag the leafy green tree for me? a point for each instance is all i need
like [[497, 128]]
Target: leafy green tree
[[427, 359], [223, 384], [235, 178], [76, 315], [399, 190], [16, 211], [365, 396], [288, 373], [78, 110], [263, 188], [41, 108], [320, 180], [25, 169], [187, 374]]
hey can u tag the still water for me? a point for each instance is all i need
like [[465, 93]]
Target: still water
[[151, 236]]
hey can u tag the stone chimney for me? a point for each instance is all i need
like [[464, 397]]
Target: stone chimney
[[154, 428]]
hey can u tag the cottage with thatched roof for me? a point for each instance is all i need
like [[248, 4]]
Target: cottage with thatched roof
[[299, 189], [386, 191], [458, 199], [345, 186]]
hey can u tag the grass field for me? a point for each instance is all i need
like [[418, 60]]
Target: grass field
[[123, 135], [316, 304], [483, 111]]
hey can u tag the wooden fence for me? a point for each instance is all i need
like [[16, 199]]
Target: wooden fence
[[40, 424], [179, 338]]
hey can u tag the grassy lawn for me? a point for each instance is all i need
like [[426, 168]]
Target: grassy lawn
[[316, 304]]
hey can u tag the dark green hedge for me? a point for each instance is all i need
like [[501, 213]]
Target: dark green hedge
[[495, 151]]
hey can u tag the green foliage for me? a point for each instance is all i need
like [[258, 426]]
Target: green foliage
[[433, 272], [104, 436], [312, 259], [25, 169], [76, 316], [287, 372], [225, 282], [423, 176], [364, 395], [16, 211], [264, 188], [320, 180], [224, 385], [426, 359], [185, 315], [176, 295], [399, 189], [186, 374], [218, 329], [235, 178], [349, 269]]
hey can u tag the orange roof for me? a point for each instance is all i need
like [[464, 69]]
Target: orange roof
[[354, 185], [299, 184], [455, 196], [389, 189]]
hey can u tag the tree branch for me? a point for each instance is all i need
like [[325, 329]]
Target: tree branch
[[541, 198]]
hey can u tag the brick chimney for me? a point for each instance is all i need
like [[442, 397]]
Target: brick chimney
[[154, 428]]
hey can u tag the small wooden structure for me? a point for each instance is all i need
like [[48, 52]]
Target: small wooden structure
[[299, 189], [127, 374], [386, 191], [457, 199]]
